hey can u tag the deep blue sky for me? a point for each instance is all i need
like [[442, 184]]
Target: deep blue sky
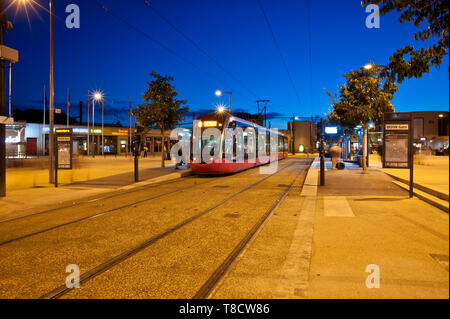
[[107, 55]]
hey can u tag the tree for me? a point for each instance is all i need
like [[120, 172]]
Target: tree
[[160, 109], [364, 98], [435, 14]]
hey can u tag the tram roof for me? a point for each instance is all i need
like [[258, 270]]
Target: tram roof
[[222, 118]]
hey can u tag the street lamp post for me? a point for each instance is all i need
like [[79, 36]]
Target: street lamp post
[[219, 93], [88, 128], [9, 100], [51, 101], [103, 111], [51, 145], [93, 127], [2, 113], [97, 97]]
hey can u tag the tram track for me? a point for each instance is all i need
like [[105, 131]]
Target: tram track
[[107, 265], [92, 216], [220, 272], [76, 204]]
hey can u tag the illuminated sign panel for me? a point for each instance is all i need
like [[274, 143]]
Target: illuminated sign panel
[[12, 140], [397, 127], [331, 130], [209, 123], [396, 140], [301, 148], [64, 146]]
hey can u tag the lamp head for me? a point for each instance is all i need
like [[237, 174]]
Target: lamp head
[[98, 96]]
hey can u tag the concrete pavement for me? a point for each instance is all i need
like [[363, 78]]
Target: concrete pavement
[[431, 178], [376, 224], [34, 173], [431, 172], [359, 220]]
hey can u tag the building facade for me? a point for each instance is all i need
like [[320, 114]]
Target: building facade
[[302, 136], [431, 130], [30, 140]]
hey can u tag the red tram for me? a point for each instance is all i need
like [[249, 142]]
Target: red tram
[[220, 165]]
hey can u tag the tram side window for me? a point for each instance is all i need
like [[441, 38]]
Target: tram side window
[[280, 143], [244, 127]]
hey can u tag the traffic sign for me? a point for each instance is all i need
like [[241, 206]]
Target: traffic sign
[[9, 54]]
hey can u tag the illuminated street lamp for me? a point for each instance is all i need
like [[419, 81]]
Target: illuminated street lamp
[[219, 93], [368, 66], [98, 96], [220, 109], [51, 145]]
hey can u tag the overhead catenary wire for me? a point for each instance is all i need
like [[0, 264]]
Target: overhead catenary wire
[[275, 42], [196, 45], [163, 46]]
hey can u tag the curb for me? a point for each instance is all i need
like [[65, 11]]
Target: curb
[[426, 197], [294, 279], [163, 178], [428, 190]]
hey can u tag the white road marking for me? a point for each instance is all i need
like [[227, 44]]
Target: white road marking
[[337, 206]]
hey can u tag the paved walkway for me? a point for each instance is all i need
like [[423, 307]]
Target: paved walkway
[[326, 241], [429, 171], [106, 175], [35, 171], [364, 219]]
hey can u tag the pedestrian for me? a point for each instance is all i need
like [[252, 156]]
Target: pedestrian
[[165, 152], [335, 152], [145, 150]]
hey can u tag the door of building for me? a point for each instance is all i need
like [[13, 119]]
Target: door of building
[[31, 146]]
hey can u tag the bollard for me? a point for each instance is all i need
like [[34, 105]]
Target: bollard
[[136, 167]]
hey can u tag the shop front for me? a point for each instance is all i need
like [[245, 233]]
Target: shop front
[[115, 140], [16, 146]]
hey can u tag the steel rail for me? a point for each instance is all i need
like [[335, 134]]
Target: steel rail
[[94, 272], [220, 272], [9, 241], [115, 194]]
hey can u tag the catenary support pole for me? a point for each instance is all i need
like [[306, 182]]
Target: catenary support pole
[[322, 154], [2, 113], [51, 133]]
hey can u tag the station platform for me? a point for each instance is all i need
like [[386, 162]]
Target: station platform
[[324, 241]]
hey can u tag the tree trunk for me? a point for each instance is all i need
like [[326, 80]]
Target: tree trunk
[[344, 148], [364, 166], [162, 148]]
